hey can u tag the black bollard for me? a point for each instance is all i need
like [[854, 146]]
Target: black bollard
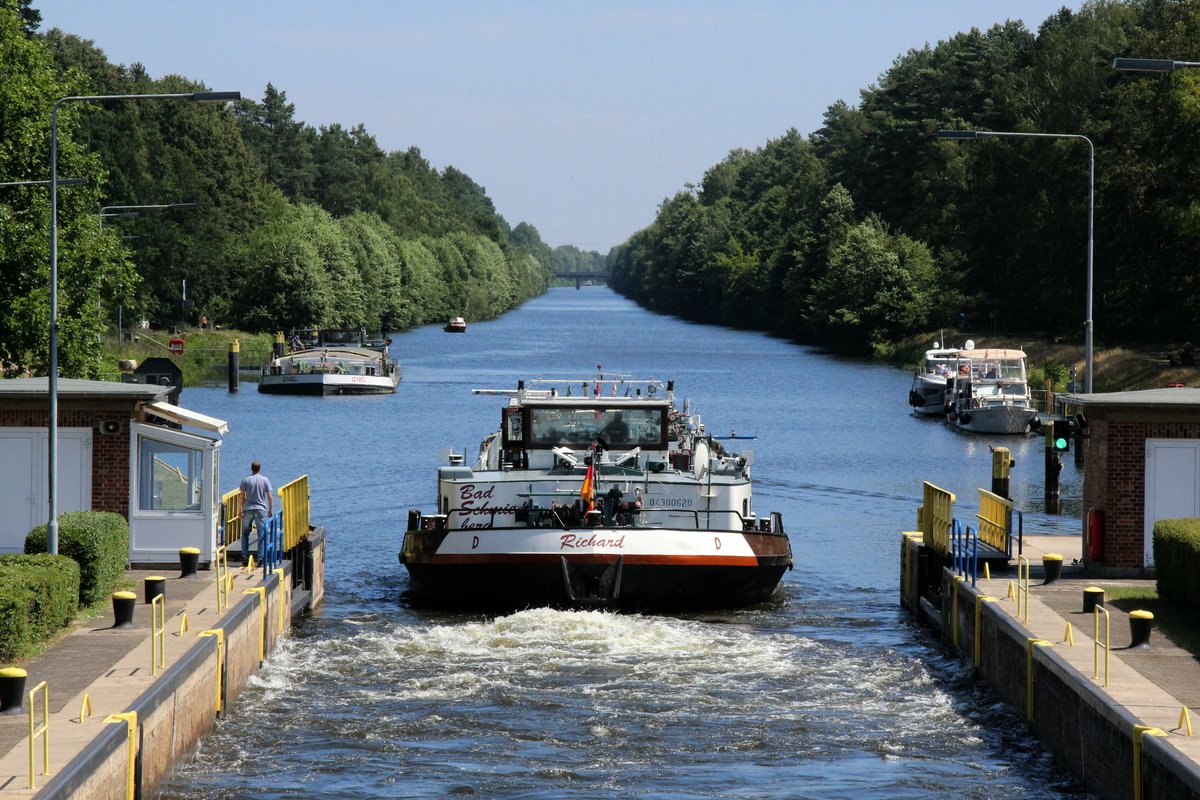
[[1052, 567], [1140, 625], [189, 561], [123, 603], [1092, 596], [12, 690], [156, 585], [235, 349]]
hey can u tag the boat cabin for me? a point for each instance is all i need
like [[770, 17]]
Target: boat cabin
[[546, 432]]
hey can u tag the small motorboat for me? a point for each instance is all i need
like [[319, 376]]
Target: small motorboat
[[456, 325], [928, 393], [989, 391]]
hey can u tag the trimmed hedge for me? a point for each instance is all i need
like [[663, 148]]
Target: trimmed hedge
[[1177, 560], [38, 595], [98, 541]]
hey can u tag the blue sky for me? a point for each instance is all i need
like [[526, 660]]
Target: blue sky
[[579, 118]]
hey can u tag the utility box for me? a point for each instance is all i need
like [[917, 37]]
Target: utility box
[[159, 372]]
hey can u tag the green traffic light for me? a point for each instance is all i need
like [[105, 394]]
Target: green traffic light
[[1060, 443]]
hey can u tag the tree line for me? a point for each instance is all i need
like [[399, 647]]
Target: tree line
[[292, 225], [872, 228]]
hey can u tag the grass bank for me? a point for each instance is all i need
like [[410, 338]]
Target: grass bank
[[205, 352]]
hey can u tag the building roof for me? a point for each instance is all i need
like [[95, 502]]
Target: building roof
[[1177, 397], [81, 389]]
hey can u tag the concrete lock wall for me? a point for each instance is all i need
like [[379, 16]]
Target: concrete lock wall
[[178, 709], [1087, 731]]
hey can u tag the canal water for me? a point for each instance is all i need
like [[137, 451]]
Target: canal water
[[829, 692]]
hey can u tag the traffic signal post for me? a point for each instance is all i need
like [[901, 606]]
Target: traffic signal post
[[1058, 440]]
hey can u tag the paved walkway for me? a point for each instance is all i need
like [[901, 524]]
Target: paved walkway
[[1154, 684], [113, 668]]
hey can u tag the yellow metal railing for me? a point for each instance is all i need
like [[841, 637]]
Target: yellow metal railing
[[231, 504], [42, 730], [221, 564], [220, 634], [130, 718], [995, 519], [261, 591], [1097, 646], [294, 502], [1030, 643], [936, 515], [158, 633], [1023, 588], [1138, 732]]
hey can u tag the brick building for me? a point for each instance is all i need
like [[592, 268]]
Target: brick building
[[1142, 464], [121, 448]]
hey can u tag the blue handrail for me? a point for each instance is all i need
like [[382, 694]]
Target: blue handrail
[[964, 549], [272, 544]]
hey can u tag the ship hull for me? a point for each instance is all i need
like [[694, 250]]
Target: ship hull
[[622, 569]]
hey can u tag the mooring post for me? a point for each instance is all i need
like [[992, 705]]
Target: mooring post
[[1001, 464], [234, 356], [277, 350]]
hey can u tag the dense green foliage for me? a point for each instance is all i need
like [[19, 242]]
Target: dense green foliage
[[872, 227], [292, 225], [1176, 560], [39, 594], [98, 541]]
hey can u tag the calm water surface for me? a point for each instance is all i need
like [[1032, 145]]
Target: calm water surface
[[830, 692]]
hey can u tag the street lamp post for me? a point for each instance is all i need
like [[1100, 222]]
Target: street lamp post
[[1088, 326], [52, 427], [1151, 64], [135, 211]]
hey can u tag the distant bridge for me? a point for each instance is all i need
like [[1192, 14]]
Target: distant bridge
[[580, 277]]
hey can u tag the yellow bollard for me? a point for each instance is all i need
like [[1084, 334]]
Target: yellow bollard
[[1185, 720], [1012, 591], [1069, 637], [183, 623], [85, 708], [987, 572], [250, 563]]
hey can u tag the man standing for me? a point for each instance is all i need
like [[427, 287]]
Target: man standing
[[257, 499]]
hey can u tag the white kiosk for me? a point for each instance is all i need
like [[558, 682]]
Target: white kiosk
[[174, 495]]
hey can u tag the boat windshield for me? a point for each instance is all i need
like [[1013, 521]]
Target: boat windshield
[[939, 366], [619, 427], [1000, 370]]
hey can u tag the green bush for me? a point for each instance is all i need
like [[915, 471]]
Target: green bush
[[39, 594], [16, 609], [98, 541], [1177, 560]]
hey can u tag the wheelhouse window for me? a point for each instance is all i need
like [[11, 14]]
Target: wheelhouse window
[[170, 477], [577, 427]]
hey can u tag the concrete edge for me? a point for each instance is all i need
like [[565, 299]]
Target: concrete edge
[[113, 739]]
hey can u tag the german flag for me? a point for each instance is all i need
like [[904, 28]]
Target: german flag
[[588, 491]]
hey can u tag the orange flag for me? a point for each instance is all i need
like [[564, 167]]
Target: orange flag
[[588, 491]]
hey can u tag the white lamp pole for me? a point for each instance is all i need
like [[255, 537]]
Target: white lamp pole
[[1088, 326]]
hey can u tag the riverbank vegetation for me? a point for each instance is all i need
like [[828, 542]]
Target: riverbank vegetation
[[282, 224], [872, 229]]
